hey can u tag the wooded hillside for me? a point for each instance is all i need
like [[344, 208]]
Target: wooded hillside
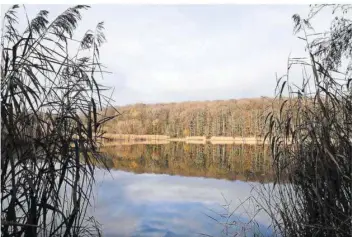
[[244, 117]]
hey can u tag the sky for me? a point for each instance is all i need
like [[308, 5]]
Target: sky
[[173, 53]]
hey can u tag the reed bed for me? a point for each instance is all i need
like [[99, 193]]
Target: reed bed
[[129, 143], [311, 135], [114, 139], [132, 137], [51, 121]]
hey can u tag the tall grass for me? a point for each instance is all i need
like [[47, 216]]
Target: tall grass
[[310, 137], [312, 195], [51, 120]]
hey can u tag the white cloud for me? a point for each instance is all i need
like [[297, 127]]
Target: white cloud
[[194, 52], [130, 190]]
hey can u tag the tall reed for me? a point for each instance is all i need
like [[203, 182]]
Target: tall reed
[[51, 120], [312, 195]]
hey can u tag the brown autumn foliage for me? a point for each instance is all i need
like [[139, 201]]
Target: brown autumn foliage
[[232, 118], [241, 162]]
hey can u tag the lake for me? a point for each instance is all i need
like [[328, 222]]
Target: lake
[[181, 189]]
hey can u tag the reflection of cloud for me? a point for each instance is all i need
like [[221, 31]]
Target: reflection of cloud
[[163, 205]]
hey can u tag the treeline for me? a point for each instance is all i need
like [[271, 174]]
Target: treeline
[[244, 117]]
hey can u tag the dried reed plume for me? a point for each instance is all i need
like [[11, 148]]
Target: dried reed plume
[[51, 119]]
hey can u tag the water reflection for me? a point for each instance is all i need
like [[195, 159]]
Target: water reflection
[[232, 162], [172, 189], [131, 204]]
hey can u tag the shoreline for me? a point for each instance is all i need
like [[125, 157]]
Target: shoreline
[[131, 139]]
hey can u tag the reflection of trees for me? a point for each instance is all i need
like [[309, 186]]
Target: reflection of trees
[[216, 161], [200, 157]]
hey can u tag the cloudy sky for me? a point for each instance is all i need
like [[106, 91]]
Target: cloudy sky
[[176, 53], [164, 205]]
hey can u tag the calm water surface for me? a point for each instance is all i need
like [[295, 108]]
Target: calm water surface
[[179, 189]]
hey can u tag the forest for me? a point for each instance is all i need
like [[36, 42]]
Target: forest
[[231, 118], [47, 183]]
